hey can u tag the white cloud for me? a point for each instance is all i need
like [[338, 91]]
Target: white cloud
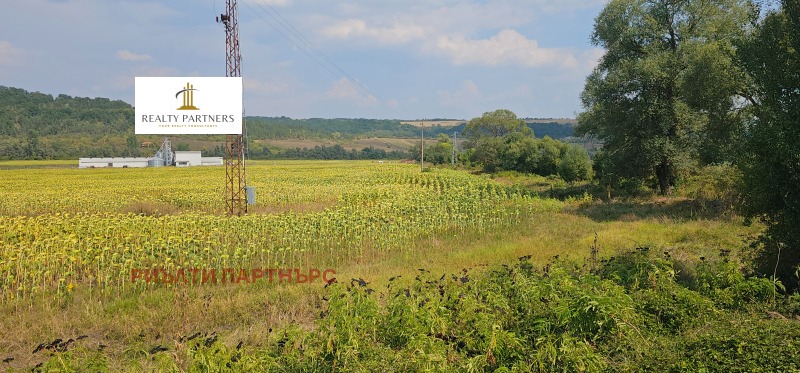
[[258, 86], [591, 57], [356, 28], [125, 82], [276, 3], [344, 90], [127, 55], [160, 71], [417, 19], [468, 93], [405, 49], [466, 18], [508, 47], [452, 36], [9, 54]]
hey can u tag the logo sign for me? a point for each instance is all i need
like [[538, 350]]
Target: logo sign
[[188, 106]]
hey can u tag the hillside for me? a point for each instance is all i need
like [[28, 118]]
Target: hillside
[[36, 125]]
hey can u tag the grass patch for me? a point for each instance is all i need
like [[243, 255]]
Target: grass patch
[[629, 313], [246, 313]]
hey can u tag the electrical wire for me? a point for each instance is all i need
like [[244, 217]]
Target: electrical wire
[[299, 35], [302, 43], [295, 37]]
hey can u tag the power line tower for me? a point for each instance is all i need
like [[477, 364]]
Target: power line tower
[[235, 176]]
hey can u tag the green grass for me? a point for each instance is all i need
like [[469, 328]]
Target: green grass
[[138, 321], [244, 312]]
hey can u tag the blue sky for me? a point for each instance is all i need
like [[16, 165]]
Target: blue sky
[[388, 59]]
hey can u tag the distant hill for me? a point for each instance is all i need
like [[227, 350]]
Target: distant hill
[[555, 130], [24, 114], [36, 125], [319, 128]]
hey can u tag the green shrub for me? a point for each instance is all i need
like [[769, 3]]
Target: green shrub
[[628, 315], [675, 308], [742, 345], [725, 283], [714, 187]]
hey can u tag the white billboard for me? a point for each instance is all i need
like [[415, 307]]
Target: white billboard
[[188, 105]]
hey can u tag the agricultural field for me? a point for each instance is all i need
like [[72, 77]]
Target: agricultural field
[[93, 227], [94, 266], [432, 123]]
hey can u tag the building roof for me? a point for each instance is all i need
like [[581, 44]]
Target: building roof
[[115, 159]]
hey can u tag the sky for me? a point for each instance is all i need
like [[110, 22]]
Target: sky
[[387, 59]]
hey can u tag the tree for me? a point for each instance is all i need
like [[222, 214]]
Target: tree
[[487, 153], [548, 156], [665, 91], [498, 141], [575, 164], [133, 145], [441, 152], [496, 124], [519, 153], [771, 162], [486, 134]]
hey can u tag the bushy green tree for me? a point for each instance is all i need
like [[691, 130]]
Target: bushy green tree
[[487, 153], [548, 156], [665, 92], [497, 124], [771, 162], [441, 152], [575, 164], [498, 141], [519, 153]]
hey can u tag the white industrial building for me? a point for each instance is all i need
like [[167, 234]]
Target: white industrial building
[[164, 157], [212, 161], [188, 159], [123, 162], [195, 158]]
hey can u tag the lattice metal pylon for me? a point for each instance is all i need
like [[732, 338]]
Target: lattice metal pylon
[[235, 175]]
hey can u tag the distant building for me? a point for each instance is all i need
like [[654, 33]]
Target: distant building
[[188, 159], [194, 158], [123, 162], [164, 157], [212, 161]]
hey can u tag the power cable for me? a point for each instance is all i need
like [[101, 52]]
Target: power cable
[[307, 47]]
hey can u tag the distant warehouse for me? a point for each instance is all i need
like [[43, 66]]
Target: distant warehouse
[[113, 162], [164, 157]]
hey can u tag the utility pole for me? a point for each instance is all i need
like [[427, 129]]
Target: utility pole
[[422, 149], [235, 176], [455, 139]]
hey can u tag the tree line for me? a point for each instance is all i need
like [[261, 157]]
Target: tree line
[[36, 125], [276, 128], [323, 152], [499, 141]]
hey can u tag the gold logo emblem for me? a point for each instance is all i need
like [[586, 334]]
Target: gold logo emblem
[[188, 97]]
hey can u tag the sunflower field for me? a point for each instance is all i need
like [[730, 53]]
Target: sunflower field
[[61, 229]]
